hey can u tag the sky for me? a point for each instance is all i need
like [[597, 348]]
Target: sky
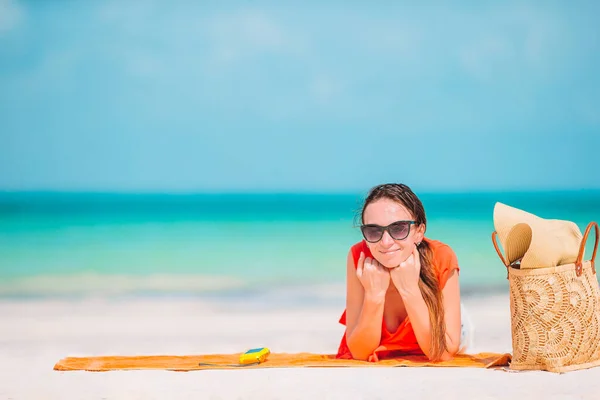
[[161, 96]]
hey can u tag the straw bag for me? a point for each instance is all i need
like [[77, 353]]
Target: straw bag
[[555, 313]]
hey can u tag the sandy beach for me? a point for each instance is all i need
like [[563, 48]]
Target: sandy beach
[[37, 333]]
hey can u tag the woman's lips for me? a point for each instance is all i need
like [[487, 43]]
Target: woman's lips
[[389, 252]]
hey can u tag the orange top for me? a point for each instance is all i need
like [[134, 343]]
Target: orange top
[[403, 340]]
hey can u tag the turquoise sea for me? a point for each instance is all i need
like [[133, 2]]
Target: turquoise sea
[[57, 244]]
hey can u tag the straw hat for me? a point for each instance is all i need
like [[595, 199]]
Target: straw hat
[[535, 241]]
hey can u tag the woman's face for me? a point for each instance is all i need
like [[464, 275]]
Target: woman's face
[[390, 252]]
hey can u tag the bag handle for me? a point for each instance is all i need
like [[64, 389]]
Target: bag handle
[[495, 241], [579, 261]]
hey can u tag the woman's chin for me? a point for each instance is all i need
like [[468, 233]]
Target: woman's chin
[[393, 261], [390, 262]]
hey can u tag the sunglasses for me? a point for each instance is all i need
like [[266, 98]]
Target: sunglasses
[[398, 230]]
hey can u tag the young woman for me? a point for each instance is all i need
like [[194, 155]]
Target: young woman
[[403, 293]]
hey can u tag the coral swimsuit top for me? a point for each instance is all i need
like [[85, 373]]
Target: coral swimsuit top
[[403, 341]]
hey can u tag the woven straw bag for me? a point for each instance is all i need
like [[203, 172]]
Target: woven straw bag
[[555, 313]]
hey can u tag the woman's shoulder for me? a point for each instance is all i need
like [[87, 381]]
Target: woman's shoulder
[[444, 259], [439, 248], [359, 247]]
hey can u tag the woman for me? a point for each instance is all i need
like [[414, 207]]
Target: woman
[[403, 293]]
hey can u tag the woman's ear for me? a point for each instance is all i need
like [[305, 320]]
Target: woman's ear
[[420, 233]]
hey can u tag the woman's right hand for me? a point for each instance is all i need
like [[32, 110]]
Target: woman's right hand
[[374, 277]]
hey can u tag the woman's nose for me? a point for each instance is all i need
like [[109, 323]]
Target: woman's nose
[[386, 239]]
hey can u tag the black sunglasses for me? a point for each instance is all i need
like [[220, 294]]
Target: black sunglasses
[[398, 230]]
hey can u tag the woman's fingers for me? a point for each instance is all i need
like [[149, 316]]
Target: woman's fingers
[[360, 265], [416, 257]]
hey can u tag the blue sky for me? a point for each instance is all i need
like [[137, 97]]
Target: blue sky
[[280, 96]]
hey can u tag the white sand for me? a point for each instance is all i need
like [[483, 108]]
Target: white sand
[[35, 334]]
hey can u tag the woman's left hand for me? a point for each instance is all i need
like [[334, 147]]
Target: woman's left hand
[[406, 276]]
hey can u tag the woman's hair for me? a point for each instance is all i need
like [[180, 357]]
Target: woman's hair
[[428, 282]]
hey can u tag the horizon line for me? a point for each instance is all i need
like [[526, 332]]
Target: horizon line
[[287, 192]]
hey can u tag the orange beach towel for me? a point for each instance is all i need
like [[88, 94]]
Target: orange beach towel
[[275, 360]]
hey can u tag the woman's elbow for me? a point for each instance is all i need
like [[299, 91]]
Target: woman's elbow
[[359, 357], [358, 353], [455, 348], [451, 351], [448, 354], [360, 350]]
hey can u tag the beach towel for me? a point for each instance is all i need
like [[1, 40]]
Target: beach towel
[[275, 360]]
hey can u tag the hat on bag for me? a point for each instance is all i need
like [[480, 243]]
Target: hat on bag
[[535, 241]]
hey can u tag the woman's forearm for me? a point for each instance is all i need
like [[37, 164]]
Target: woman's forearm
[[366, 335], [418, 314]]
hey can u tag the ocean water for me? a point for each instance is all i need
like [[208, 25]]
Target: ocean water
[[56, 244]]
